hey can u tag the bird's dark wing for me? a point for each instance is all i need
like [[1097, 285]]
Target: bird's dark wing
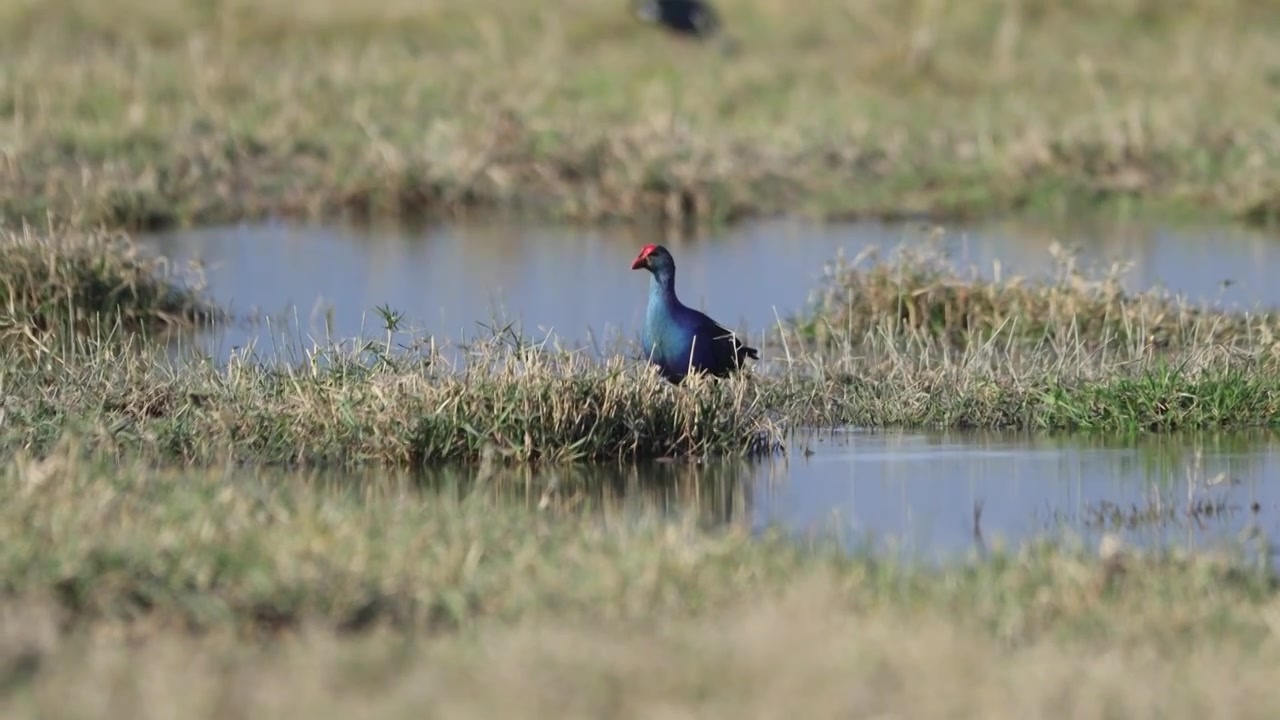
[[691, 17], [727, 349]]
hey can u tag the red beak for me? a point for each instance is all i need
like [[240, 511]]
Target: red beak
[[642, 260]]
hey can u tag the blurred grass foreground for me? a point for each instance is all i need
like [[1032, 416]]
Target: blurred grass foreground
[[131, 592]]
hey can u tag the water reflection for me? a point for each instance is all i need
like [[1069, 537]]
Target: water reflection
[[924, 492], [935, 496], [717, 494]]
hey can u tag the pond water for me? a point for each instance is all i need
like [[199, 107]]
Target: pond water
[[939, 496], [926, 494], [577, 286]]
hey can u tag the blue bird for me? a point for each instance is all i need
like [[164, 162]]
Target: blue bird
[[677, 338]]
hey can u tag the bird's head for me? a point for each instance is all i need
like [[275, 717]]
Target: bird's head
[[653, 258]]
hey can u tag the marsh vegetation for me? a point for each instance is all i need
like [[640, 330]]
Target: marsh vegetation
[[130, 589], [255, 535], [907, 344]]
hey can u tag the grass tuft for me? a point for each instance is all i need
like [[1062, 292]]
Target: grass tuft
[[351, 407], [56, 284], [344, 407], [920, 294]]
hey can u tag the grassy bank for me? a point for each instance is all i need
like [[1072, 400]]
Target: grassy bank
[[910, 343], [343, 408], [196, 112], [920, 294], [61, 284], [498, 610]]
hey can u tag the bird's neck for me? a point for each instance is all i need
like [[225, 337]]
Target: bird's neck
[[662, 286]]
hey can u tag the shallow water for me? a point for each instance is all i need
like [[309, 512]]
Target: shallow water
[[914, 491], [577, 285], [939, 496]]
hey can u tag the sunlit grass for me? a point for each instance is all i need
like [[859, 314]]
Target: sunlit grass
[[193, 112], [246, 551], [291, 595], [344, 406], [1065, 310], [807, 653], [58, 284]]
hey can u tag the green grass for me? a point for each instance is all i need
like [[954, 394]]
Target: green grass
[[199, 112], [287, 594]]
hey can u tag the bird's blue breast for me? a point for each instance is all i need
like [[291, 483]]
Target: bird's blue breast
[[663, 340], [671, 340]]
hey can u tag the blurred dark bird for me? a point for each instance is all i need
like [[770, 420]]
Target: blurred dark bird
[[677, 338], [687, 17]]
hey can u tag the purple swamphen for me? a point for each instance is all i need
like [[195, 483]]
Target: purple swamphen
[[678, 338], [695, 18]]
